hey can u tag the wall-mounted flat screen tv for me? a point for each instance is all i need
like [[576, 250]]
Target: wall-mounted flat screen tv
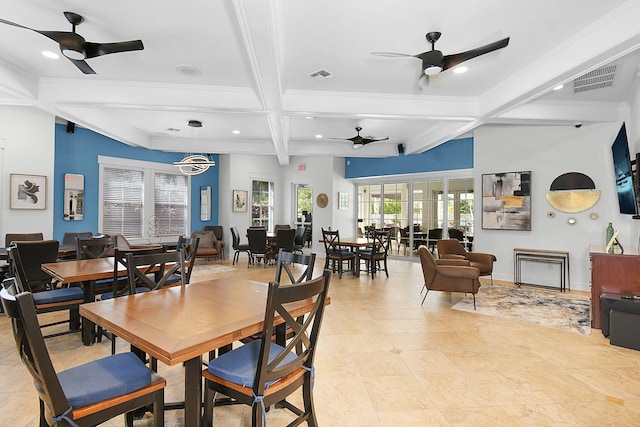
[[623, 173]]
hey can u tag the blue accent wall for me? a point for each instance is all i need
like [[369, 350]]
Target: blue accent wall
[[452, 155], [78, 153]]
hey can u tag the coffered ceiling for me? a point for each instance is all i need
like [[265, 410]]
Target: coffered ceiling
[[247, 65]]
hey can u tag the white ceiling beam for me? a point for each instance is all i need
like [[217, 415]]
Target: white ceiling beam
[[613, 36], [260, 24]]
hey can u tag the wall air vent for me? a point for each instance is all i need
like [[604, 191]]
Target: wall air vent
[[596, 79], [321, 75]]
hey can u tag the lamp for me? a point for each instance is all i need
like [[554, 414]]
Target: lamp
[[431, 70], [195, 164]]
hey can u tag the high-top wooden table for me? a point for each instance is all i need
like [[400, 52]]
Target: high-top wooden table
[[178, 324]]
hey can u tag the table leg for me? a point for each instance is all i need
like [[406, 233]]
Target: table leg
[[356, 268], [88, 327], [193, 391]]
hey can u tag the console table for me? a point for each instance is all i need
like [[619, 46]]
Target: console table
[[612, 273], [542, 255]]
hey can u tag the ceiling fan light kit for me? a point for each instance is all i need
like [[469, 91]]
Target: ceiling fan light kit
[[359, 141], [75, 48], [434, 62]]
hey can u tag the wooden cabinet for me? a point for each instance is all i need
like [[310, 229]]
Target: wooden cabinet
[[615, 273]]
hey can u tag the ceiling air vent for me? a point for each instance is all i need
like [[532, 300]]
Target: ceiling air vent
[[321, 75], [596, 79]]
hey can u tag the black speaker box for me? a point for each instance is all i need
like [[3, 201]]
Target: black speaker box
[[71, 127], [400, 148]]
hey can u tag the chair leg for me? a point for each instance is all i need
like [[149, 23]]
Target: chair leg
[[386, 270], [425, 296], [307, 396]]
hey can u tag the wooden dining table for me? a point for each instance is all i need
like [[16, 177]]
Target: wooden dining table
[[85, 271], [179, 324], [355, 243]]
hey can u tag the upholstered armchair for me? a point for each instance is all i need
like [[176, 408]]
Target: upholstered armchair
[[452, 249], [217, 231], [209, 246], [454, 275]]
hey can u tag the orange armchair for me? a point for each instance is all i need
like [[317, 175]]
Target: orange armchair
[[453, 249], [209, 246], [448, 275]]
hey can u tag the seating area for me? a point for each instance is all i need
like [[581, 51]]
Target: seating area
[[357, 363]]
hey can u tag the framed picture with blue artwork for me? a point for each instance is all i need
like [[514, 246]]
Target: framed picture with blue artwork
[[28, 191]]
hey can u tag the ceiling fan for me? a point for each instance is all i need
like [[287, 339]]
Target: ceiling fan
[[359, 141], [75, 48], [434, 62]]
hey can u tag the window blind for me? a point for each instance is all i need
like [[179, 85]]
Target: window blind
[[170, 208], [123, 194]]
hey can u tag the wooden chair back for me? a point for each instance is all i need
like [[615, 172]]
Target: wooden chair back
[[124, 287], [298, 268], [54, 406], [95, 247], [32, 349], [21, 237], [154, 270], [305, 330], [190, 247], [26, 259]]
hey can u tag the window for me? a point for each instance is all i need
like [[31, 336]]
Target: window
[[122, 202], [262, 204], [170, 204], [142, 199]]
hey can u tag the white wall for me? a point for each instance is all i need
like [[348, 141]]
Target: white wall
[[26, 146], [549, 152]]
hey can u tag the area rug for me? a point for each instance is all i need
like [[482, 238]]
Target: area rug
[[534, 305], [204, 271]]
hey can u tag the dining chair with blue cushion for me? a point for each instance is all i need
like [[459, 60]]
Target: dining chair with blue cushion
[[377, 253], [88, 394], [262, 373], [45, 300], [335, 253]]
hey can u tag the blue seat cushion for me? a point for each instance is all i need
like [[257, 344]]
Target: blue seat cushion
[[239, 366], [58, 295], [103, 379], [109, 295], [343, 253]]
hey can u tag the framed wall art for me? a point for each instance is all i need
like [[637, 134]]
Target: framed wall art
[[239, 201], [506, 201], [28, 191], [343, 200]]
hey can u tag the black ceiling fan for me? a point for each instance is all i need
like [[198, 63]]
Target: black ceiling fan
[[434, 62], [359, 141], [75, 48]]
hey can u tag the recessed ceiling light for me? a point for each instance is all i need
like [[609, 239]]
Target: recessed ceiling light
[[309, 117], [188, 70], [460, 70], [173, 130], [235, 132], [558, 87], [50, 55], [195, 123], [319, 136]]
